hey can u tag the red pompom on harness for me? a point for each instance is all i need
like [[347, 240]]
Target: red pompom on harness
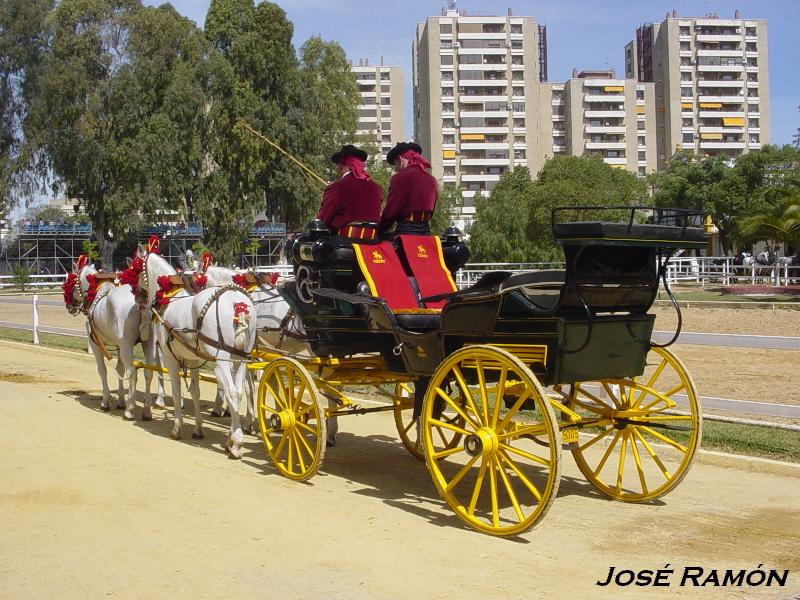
[[205, 261], [91, 293], [241, 313], [130, 276], [83, 260], [240, 279], [153, 244], [69, 288]]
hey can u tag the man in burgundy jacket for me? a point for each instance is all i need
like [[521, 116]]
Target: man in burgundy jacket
[[353, 198], [412, 192]]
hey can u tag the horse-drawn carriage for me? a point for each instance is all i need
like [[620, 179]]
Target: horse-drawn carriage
[[489, 383]]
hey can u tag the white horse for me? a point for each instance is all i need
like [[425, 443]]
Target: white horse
[[214, 325], [276, 325], [112, 319]]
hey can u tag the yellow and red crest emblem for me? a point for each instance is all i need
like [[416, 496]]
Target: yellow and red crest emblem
[[421, 252], [377, 258]]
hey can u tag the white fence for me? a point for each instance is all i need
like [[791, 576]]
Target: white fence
[[700, 270]]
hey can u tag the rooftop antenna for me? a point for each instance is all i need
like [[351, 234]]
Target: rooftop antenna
[[451, 4]]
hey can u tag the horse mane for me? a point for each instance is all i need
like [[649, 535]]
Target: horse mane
[[156, 266], [218, 275]]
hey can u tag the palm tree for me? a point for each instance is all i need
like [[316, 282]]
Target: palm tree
[[781, 222]]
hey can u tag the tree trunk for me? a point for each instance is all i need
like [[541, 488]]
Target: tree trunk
[[105, 244]]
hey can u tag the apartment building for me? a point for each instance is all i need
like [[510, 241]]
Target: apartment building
[[381, 111], [476, 96], [711, 82]]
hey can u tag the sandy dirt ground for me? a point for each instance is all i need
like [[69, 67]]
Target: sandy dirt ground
[[93, 506]]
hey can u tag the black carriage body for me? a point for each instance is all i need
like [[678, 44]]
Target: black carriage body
[[584, 323]]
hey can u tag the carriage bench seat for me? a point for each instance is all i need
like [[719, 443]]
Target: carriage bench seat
[[588, 233], [425, 259]]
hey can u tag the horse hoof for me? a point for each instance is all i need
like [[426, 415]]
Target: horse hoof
[[198, 436], [105, 407], [216, 413], [227, 413], [128, 415], [330, 442], [147, 416], [119, 406], [160, 403], [175, 434], [233, 450]]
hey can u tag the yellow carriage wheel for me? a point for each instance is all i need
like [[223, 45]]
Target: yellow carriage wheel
[[503, 475], [645, 430], [292, 419], [409, 428]]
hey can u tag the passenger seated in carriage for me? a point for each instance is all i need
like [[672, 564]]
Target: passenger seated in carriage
[[413, 192], [351, 206]]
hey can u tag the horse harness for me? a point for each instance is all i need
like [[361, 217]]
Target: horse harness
[[106, 285]]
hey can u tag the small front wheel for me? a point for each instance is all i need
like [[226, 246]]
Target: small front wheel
[[292, 419], [503, 474]]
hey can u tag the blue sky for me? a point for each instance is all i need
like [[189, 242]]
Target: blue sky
[[587, 34]]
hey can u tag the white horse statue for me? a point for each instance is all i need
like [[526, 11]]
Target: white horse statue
[[215, 325], [112, 319]]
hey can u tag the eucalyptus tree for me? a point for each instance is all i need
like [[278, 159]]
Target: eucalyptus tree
[[115, 99]]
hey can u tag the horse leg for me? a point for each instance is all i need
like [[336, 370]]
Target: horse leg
[[225, 378], [149, 359], [120, 381], [177, 400], [253, 427], [220, 409], [333, 425], [126, 358], [194, 389], [101, 370]]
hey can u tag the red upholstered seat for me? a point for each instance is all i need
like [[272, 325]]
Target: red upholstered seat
[[425, 258], [385, 276]]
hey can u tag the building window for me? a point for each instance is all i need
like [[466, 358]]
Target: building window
[[386, 125], [685, 46], [688, 138], [754, 138], [752, 108], [518, 91], [518, 106], [519, 154], [516, 28], [519, 122], [640, 125], [686, 76], [684, 31], [686, 92], [448, 139], [753, 122], [384, 76], [516, 60], [752, 62], [750, 31], [750, 46], [640, 140], [640, 94], [447, 59], [447, 92], [642, 171], [448, 107], [642, 155], [517, 44], [445, 28], [687, 122]]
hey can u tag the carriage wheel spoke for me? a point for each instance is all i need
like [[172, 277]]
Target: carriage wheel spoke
[[307, 427], [460, 475], [659, 418], [298, 398], [596, 439], [290, 387], [446, 425], [302, 439], [467, 394], [295, 437], [498, 398], [447, 452], [524, 454], [289, 461], [607, 453], [638, 461], [457, 408], [621, 464], [529, 430], [493, 492], [617, 402], [665, 439], [650, 381], [513, 410], [477, 489], [591, 396], [482, 389], [281, 442], [509, 489], [652, 454], [525, 481]]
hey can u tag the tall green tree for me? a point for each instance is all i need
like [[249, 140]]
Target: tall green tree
[[108, 112], [446, 208], [22, 40], [498, 233], [578, 181]]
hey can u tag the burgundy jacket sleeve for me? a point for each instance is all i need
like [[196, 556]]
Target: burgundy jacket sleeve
[[330, 204], [395, 200]]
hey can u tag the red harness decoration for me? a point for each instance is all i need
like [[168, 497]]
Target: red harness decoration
[[91, 293], [205, 261], [130, 276], [69, 288], [241, 313], [240, 279], [167, 289]]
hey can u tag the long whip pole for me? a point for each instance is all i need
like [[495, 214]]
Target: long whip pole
[[282, 151]]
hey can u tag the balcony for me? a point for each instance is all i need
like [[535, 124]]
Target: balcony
[[620, 114], [620, 98], [485, 51], [366, 82], [500, 35], [483, 82], [606, 145], [489, 114], [719, 37], [484, 146], [714, 114], [720, 83], [721, 53], [486, 66], [616, 129], [721, 130], [480, 177], [721, 145], [720, 99], [488, 162], [623, 161], [486, 130]]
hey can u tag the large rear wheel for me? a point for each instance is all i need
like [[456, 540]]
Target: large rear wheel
[[503, 474], [643, 431], [292, 419]]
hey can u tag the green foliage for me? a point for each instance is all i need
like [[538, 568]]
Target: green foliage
[[20, 276], [498, 232], [578, 181], [21, 43], [115, 106], [89, 248], [252, 247], [446, 208]]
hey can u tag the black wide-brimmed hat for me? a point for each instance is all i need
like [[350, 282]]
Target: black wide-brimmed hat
[[400, 148], [349, 150]]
